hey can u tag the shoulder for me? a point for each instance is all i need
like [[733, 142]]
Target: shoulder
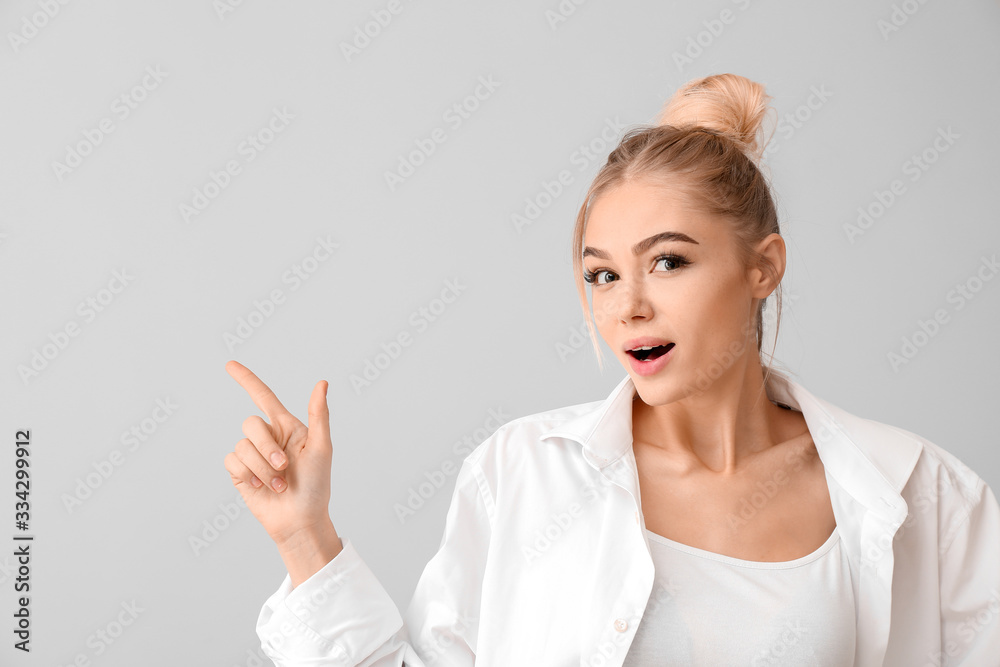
[[524, 433], [911, 462], [521, 441], [942, 492], [941, 465]]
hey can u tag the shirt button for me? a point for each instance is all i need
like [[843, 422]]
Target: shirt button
[[621, 625]]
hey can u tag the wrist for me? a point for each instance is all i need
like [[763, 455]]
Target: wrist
[[307, 536], [308, 550]]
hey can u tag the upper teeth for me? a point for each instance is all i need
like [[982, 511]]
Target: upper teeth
[[647, 347]]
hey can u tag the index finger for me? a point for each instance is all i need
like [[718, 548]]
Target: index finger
[[259, 392]]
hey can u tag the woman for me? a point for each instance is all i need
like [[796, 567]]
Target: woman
[[708, 512]]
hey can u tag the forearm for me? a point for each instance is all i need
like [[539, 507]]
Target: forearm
[[307, 553]]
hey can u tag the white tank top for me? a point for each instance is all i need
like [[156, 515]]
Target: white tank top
[[709, 609]]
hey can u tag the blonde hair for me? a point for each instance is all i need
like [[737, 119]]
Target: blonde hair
[[707, 143]]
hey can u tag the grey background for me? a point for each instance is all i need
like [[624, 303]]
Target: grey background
[[495, 347]]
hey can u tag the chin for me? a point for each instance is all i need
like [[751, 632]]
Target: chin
[[655, 389]]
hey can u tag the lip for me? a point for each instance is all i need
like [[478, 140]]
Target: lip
[[643, 341], [651, 366]]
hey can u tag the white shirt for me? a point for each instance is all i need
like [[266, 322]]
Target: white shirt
[[711, 609], [544, 559]]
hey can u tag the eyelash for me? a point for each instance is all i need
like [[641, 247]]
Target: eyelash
[[679, 260]]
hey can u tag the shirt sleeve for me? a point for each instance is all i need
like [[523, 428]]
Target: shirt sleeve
[[343, 616], [970, 585]]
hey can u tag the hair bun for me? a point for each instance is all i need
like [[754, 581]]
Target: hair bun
[[729, 104]]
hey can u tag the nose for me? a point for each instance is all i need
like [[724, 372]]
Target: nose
[[631, 302]]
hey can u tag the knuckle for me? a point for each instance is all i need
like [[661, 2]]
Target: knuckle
[[299, 431], [244, 447], [251, 423]]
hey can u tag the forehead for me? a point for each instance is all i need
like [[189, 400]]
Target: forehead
[[632, 211]]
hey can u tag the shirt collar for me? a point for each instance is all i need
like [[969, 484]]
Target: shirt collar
[[870, 460]]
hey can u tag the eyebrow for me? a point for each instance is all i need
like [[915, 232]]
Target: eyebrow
[[643, 245]]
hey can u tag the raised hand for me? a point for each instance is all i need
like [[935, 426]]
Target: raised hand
[[282, 468]]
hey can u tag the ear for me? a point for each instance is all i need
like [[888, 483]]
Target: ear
[[772, 248]]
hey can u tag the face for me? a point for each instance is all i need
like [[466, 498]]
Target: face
[[669, 276]]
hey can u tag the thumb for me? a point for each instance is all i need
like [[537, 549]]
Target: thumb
[[319, 415]]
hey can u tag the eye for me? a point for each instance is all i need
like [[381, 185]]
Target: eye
[[591, 276], [673, 261], [676, 260]]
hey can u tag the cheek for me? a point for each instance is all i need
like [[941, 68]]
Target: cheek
[[605, 322], [713, 319], [603, 312]]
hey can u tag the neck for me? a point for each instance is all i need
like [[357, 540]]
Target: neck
[[717, 429]]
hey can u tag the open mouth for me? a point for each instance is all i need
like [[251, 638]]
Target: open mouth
[[643, 354]]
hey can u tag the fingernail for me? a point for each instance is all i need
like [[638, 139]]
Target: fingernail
[[277, 458], [278, 483], [255, 481]]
